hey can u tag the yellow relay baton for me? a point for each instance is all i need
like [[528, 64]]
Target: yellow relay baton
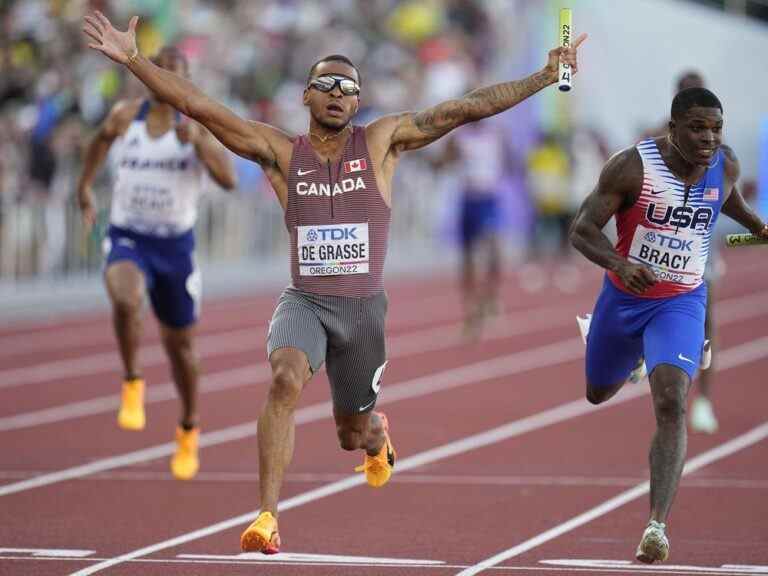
[[734, 240]]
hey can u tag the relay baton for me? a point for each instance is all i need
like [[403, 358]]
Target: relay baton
[[744, 240], [564, 33]]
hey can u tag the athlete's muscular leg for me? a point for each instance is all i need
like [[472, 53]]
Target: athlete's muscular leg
[[360, 431], [126, 288], [290, 372], [178, 344], [669, 388]]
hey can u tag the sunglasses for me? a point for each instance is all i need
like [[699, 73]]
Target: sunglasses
[[328, 82]]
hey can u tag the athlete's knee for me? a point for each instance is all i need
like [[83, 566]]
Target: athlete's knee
[[351, 436], [669, 389], [178, 341], [598, 394], [126, 304], [287, 383]]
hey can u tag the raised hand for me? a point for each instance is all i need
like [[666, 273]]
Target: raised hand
[[119, 46], [566, 55]]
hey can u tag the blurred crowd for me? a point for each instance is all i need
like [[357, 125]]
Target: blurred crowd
[[254, 55]]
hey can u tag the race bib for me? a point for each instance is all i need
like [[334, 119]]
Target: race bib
[[678, 258], [150, 202], [333, 249]]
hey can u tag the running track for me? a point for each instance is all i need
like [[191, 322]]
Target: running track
[[503, 467]]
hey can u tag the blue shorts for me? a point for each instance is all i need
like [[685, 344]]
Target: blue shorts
[[172, 279], [479, 217], [625, 327]]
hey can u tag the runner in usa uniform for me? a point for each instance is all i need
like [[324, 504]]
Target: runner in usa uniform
[[158, 162], [334, 184], [666, 194]]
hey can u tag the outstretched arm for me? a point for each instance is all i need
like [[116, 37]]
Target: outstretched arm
[[735, 206], [617, 189], [410, 130], [252, 140]]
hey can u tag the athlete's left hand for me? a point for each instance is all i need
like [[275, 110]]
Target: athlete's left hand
[[188, 132], [566, 55], [764, 232]]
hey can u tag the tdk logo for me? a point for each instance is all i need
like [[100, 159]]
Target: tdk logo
[[325, 234], [670, 242], [680, 216]]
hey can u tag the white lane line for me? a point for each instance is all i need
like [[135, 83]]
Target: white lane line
[[627, 566], [213, 382], [544, 356], [430, 339], [725, 570], [49, 552], [421, 341], [757, 434], [253, 339], [730, 358], [548, 355], [555, 415], [223, 477], [247, 339], [48, 336], [230, 342], [320, 559], [55, 334]]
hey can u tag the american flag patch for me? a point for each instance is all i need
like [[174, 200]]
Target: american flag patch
[[711, 193], [355, 165]]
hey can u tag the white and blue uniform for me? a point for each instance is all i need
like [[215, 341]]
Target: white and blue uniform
[[669, 229], [154, 209], [482, 168]]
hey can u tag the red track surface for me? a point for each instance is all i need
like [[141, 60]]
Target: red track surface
[[61, 487]]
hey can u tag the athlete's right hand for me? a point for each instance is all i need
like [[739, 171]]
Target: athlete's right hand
[[119, 46], [636, 277], [87, 208]]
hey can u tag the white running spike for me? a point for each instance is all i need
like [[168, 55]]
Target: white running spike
[[584, 322]]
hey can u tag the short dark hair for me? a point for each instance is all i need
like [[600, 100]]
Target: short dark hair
[[333, 58], [692, 97]]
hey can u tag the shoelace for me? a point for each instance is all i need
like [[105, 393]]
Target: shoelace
[[374, 463]]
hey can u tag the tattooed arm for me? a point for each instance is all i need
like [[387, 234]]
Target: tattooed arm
[[618, 188], [411, 130]]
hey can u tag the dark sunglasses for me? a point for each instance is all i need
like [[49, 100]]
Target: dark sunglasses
[[328, 82]]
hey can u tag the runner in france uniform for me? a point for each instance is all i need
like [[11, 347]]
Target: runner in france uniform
[[335, 186], [158, 162], [335, 309], [666, 194], [154, 208]]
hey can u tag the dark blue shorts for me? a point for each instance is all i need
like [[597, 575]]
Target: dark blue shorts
[[625, 327], [172, 279], [479, 217]]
